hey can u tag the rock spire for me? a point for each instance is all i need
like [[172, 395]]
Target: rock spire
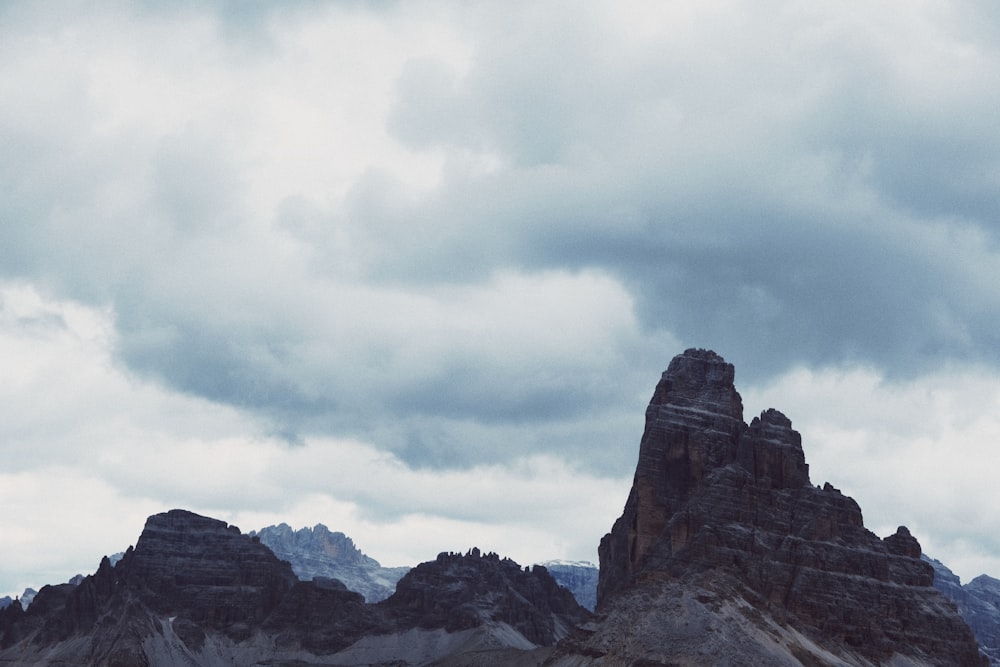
[[722, 519]]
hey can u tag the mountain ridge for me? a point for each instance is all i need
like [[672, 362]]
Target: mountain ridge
[[725, 554], [195, 590]]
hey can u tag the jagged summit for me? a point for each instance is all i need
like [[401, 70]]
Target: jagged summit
[[319, 538], [458, 591], [694, 438], [726, 548], [319, 552]]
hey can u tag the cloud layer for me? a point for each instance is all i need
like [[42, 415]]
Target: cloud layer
[[462, 240]]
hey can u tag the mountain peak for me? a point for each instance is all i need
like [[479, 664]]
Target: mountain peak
[[485, 588], [722, 516], [319, 552]]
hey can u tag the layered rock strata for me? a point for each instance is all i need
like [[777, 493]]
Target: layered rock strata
[[207, 570], [725, 548]]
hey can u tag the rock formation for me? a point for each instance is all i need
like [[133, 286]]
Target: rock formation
[[210, 572], [318, 552], [188, 578], [456, 592], [195, 591], [727, 554]]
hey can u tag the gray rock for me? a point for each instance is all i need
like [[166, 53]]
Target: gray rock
[[578, 578], [458, 592], [978, 602], [318, 552]]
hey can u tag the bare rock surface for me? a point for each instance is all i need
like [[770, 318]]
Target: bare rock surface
[[978, 602], [208, 571], [724, 537]]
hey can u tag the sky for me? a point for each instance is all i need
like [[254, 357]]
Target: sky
[[413, 269]]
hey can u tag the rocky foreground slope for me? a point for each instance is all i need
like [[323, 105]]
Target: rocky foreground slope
[[726, 554]]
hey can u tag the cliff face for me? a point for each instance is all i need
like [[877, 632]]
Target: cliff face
[[978, 602], [579, 577], [723, 519], [206, 570]]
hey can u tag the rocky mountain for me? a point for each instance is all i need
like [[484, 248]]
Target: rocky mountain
[[195, 591], [458, 591], [318, 552], [578, 577], [726, 554], [978, 602]]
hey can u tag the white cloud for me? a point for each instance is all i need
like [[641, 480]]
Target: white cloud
[[59, 521], [90, 451]]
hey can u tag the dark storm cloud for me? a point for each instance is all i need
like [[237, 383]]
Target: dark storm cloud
[[449, 396], [786, 185], [798, 198]]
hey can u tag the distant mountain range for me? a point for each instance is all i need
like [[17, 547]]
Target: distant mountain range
[[318, 552], [579, 577], [978, 603]]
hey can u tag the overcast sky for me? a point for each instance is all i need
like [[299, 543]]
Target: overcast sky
[[412, 269]]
